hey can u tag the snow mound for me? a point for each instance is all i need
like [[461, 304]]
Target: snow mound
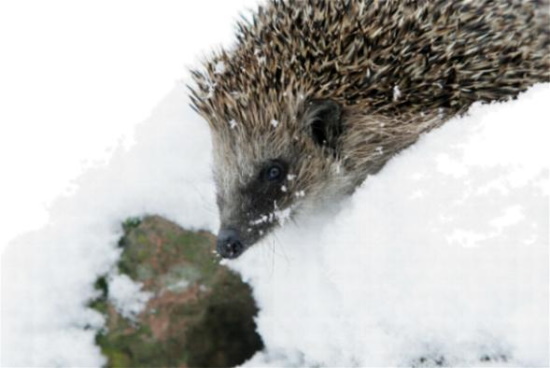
[[442, 258], [48, 275]]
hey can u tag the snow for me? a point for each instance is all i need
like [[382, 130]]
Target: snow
[[126, 295], [443, 255], [219, 67], [396, 93], [76, 79], [48, 275], [283, 216]]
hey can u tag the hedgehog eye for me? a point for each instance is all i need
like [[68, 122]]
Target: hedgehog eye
[[274, 172]]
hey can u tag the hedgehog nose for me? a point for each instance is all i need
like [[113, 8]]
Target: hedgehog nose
[[229, 244]]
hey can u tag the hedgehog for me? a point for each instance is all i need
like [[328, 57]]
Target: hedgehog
[[316, 95]]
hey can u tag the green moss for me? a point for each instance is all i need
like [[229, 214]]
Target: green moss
[[102, 285], [138, 349], [131, 223], [138, 250], [200, 253], [117, 358], [99, 305]]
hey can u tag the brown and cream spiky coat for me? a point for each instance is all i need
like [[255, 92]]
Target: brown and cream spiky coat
[[326, 91]]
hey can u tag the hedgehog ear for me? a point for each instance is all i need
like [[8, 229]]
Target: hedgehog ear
[[324, 122]]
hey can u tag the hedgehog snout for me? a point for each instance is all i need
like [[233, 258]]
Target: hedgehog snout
[[229, 244]]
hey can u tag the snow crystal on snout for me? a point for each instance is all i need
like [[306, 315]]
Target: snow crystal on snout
[[277, 215], [261, 220], [283, 215]]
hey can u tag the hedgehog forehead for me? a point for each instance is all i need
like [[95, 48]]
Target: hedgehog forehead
[[251, 113], [225, 94], [240, 157]]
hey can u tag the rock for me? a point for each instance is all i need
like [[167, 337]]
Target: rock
[[201, 313]]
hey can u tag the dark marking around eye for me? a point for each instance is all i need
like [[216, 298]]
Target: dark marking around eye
[[262, 195]]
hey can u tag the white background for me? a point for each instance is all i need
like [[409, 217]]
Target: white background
[[76, 77]]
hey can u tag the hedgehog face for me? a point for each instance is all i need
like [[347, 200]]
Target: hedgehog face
[[264, 177], [399, 68]]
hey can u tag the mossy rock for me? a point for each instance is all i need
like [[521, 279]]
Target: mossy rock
[[201, 314]]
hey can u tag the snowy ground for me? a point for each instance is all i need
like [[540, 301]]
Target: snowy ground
[[48, 274], [444, 254], [76, 78]]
